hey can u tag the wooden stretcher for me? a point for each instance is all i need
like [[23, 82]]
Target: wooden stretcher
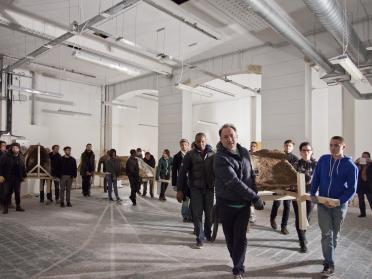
[[300, 195], [41, 172]]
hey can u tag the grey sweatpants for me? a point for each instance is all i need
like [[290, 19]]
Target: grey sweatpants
[[66, 184]]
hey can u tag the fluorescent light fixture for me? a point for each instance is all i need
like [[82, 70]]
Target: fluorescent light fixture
[[120, 106], [199, 92], [369, 48], [345, 62], [105, 15], [221, 91], [148, 125], [106, 62], [126, 42], [66, 112], [207, 122], [35, 91]]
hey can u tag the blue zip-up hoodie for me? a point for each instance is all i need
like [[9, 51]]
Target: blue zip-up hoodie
[[336, 179]]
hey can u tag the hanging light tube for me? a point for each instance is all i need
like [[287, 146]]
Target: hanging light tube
[[35, 91], [345, 62], [207, 122], [106, 62], [199, 92], [120, 106]]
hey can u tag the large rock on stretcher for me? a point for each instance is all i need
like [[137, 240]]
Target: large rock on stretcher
[[273, 170]]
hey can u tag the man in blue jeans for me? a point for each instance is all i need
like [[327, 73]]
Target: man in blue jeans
[[335, 177]]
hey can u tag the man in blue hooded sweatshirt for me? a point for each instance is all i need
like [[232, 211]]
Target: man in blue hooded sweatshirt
[[335, 177]]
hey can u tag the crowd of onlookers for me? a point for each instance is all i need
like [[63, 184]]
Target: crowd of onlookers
[[202, 175]]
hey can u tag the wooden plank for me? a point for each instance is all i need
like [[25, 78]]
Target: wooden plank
[[301, 190]]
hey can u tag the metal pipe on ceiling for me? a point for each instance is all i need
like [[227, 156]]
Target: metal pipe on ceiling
[[332, 17], [281, 22], [76, 29]]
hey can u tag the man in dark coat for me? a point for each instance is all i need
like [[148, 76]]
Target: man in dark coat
[[197, 169], [68, 173], [150, 160], [87, 167], [176, 166], [55, 164], [236, 191], [12, 173], [132, 171], [102, 162]]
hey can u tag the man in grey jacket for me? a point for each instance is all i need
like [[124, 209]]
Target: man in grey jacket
[[236, 191]]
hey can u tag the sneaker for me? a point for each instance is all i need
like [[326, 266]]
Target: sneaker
[[238, 276], [62, 204], [362, 215], [303, 248], [111, 199], [69, 204], [199, 244], [134, 203], [328, 271], [273, 223], [20, 209], [144, 195], [284, 231]]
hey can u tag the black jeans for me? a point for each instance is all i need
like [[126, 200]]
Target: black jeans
[[56, 188], [309, 208], [286, 209], [362, 203], [202, 201], [86, 184], [234, 223], [134, 181], [163, 186], [12, 185]]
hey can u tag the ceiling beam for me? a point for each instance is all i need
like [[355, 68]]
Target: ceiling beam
[[41, 28]]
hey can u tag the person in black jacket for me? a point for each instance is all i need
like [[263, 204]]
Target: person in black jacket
[[87, 167], [197, 173], [236, 191], [68, 172], [113, 167], [306, 165], [12, 173], [176, 166], [102, 163], [2, 148], [132, 170], [364, 188], [292, 159], [55, 164], [150, 160]]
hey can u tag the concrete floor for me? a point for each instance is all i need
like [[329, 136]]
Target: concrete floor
[[99, 239]]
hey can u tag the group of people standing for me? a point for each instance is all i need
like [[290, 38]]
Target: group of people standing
[[199, 175]]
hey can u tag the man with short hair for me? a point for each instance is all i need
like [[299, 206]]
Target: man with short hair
[[150, 160], [132, 171], [87, 167], [236, 191], [177, 162], [292, 159], [253, 147], [68, 172], [2, 148], [197, 173], [335, 177], [364, 165], [12, 173], [55, 166]]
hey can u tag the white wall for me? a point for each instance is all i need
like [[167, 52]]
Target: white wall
[[75, 131], [237, 112], [126, 131], [363, 127]]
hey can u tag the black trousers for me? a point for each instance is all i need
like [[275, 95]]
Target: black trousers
[[286, 209], [309, 208], [163, 187], [134, 181], [201, 201], [234, 223], [362, 203], [86, 184], [9, 187]]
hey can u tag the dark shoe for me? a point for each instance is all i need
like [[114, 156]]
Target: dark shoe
[[327, 272], [273, 223], [111, 199], [199, 244], [49, 197], [139, 192], [208, 238], [152, 196], [41, 196], [144, 194], [185, 219], [118, 199], [303, 248], [362, 215], [62, 204], [69, 204], [134, 203], [5, 211], [284, 231], [19, 208], [238, 276]]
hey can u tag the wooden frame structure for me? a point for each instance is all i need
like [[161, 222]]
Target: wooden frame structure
[[41, 173], [301, 196]]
